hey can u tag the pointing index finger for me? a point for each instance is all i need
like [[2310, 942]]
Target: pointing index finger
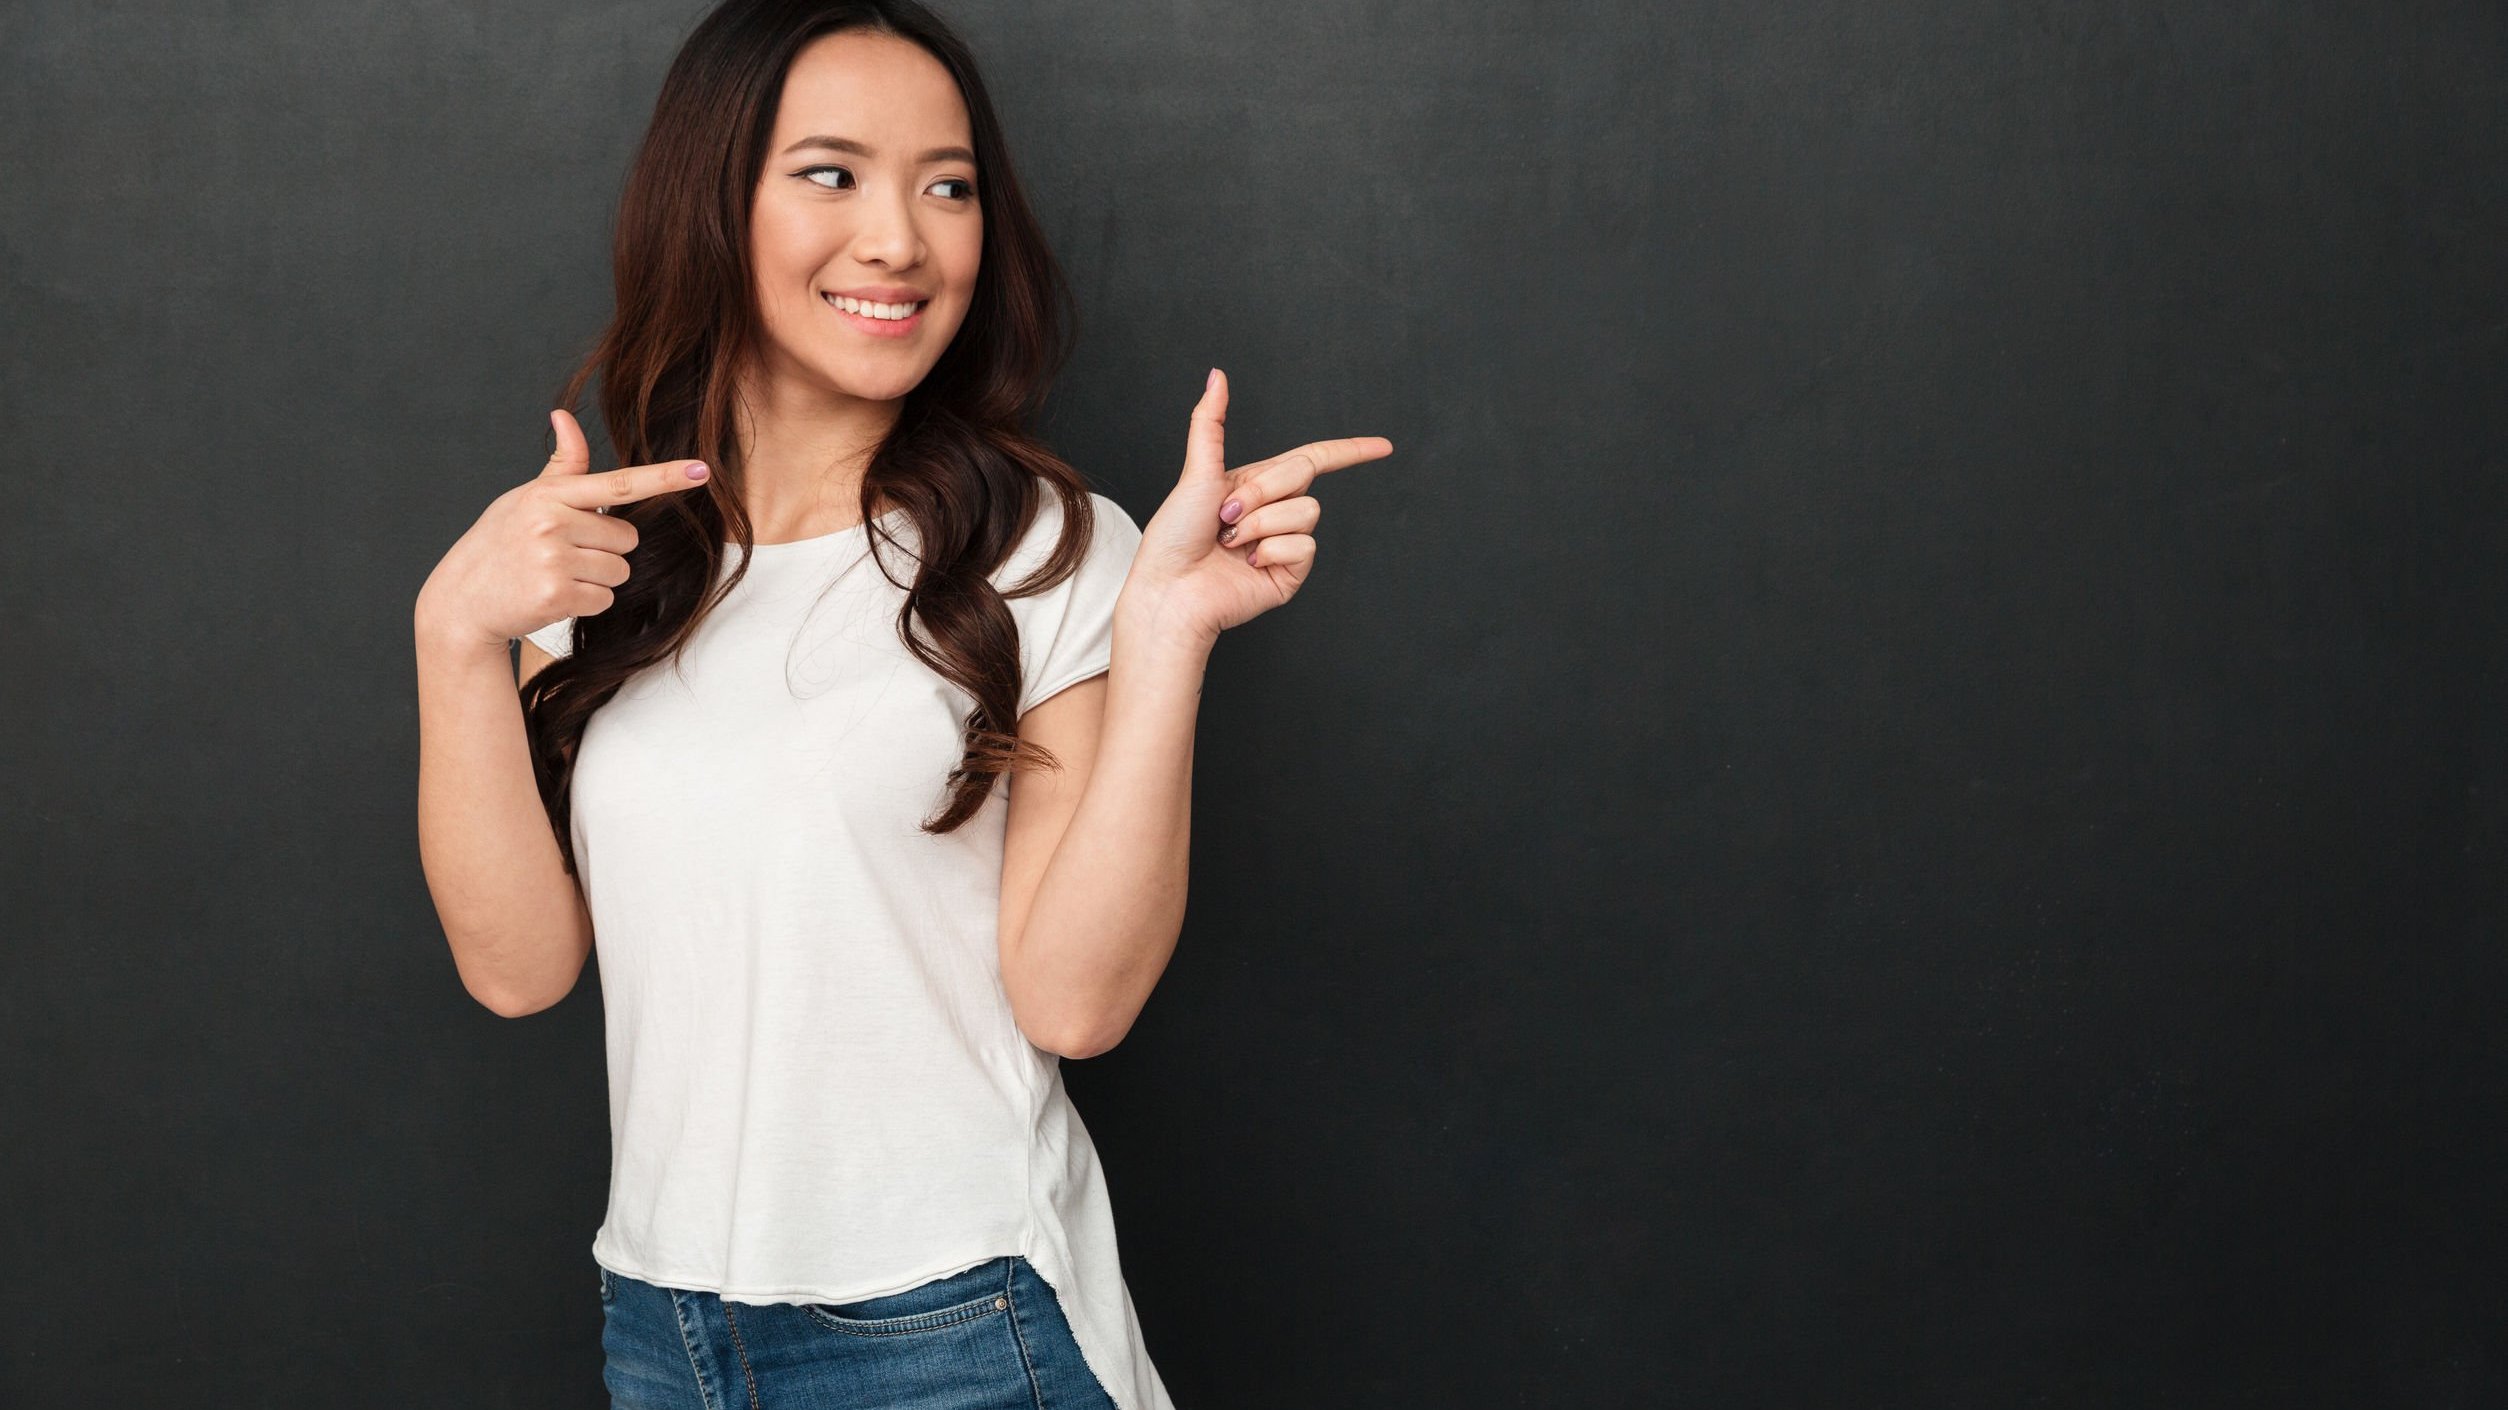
[[630, 483], [1347, 451], [1324, 457]]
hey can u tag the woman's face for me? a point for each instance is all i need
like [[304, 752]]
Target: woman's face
[[868, 190]]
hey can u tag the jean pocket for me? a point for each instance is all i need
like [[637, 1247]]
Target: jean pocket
[[981, 1291], [609, 1289]]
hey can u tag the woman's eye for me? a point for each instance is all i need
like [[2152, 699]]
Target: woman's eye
[[812, 174]]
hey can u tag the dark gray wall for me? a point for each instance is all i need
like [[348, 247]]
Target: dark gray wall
[[1894, 799]]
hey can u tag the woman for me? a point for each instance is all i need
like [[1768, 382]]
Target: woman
[[772, 673]]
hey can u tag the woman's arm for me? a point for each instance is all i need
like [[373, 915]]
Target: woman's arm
[[1225, 547], [515, 919], [1102, 921], [541, 551]]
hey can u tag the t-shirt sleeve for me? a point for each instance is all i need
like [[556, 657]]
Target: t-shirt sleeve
[[557, 638], [1067, 632]]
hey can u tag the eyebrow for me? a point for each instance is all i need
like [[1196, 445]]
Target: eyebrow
[[847, 144]]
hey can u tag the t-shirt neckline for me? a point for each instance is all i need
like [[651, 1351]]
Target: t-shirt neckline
[[819, 540]]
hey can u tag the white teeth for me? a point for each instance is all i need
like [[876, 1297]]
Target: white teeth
[[869, 310]]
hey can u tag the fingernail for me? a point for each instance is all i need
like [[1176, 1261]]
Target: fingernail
[[1211, 382], [697, 471], [1228, 512], [1228, 534], [1249, 554]]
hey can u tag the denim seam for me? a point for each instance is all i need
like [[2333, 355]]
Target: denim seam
[[705, 1389], [1009, 1293], [741, 1350], [909, 1323], [950, 1317]]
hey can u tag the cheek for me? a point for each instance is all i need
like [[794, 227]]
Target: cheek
[[779, 298], [964, 264], [782, 243]]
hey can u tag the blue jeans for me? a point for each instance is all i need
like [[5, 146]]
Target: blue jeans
[[990, 1338]]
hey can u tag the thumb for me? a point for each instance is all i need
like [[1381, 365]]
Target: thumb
[[572, 456], [1206, 442]]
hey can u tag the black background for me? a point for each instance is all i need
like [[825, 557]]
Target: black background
[[1894, 798]]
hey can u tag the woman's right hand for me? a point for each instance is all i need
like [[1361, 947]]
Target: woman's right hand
[[542, 552]]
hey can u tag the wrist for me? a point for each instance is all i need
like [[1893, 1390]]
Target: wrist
[[1153, 626], [440, 641]]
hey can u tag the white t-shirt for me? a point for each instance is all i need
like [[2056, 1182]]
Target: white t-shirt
[[817, 1092]]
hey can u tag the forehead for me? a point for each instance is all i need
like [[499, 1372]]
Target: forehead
[[877, 89]]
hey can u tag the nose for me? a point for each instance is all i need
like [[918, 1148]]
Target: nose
[[887, 234]]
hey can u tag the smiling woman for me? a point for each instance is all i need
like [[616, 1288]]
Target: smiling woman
[[867, 208], [780, 670], [777, 782], [770, 707]]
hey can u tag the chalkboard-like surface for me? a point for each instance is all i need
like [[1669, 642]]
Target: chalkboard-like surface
[[1894, 798]]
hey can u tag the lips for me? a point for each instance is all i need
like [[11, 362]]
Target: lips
[[879, 327], [914, 301]]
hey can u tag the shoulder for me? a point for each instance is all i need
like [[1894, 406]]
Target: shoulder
[[1113, 535], [1115, 527], [1049, 514]]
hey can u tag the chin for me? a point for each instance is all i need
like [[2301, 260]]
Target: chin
[[883, 386]]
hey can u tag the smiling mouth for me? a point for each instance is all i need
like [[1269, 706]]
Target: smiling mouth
[[884, 313]]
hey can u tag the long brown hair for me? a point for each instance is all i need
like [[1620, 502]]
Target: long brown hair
[[958, 461]]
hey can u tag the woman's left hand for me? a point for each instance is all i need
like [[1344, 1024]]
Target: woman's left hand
[[1201, 568]]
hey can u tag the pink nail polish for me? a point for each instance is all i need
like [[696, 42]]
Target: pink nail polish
[[697, 471], [1249, 554], [1228, 512]]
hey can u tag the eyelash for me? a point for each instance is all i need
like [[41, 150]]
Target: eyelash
[[804, 174]]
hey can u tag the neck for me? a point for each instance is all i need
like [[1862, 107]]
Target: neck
[[803, 454]]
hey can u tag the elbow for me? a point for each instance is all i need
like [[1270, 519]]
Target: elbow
[[529, 979], [1076, 1051], [499, 999], [1055, 1043], [1072, 1041], [510, 1005], [511, 1000], [1068, 1025], [1091, 1042]]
